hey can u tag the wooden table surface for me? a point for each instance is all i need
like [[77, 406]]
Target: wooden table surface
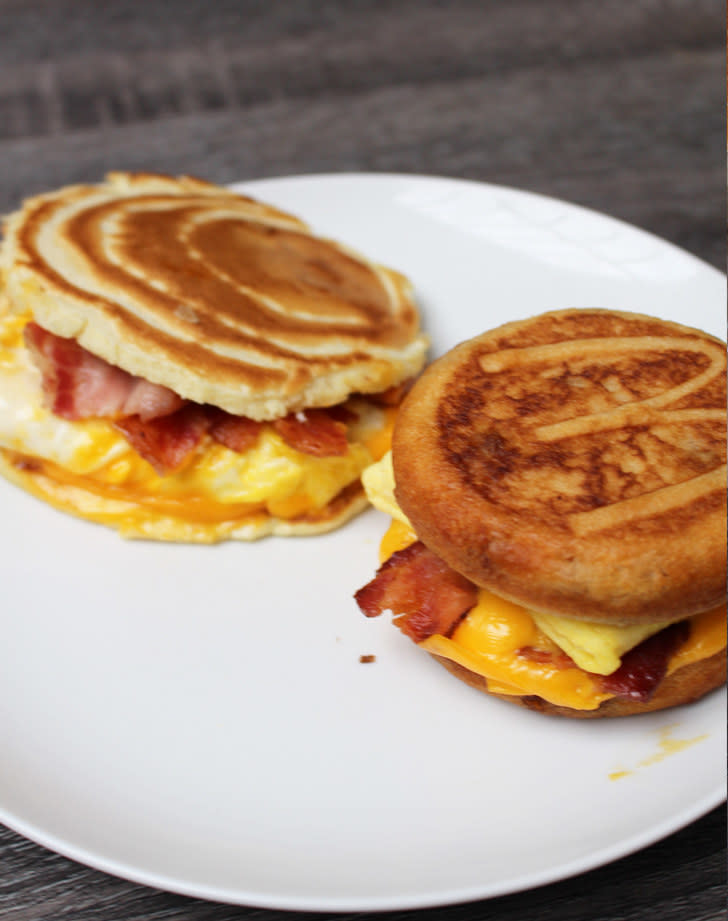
[[616, 106]]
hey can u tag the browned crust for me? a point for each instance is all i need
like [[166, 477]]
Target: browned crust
[[683, 686], [574, 463], [222, 299]]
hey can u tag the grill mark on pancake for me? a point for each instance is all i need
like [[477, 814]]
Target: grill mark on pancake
[[208, 325], [236, 308], [553, 328], [660, 502], [494, 501], [82, 229], [136, 326], [338, 295], [161, 223], [588, 471], [345, 318]]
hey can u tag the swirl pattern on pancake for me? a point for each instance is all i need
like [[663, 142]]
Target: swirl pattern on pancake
[[222, 299], [575, 463]]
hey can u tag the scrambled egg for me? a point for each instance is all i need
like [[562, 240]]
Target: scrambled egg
[[378, 481], [594, 647], [270, 479]]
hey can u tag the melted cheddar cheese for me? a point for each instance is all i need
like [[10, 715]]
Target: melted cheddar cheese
[[488, 639]]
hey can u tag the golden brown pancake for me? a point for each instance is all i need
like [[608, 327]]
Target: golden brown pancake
[[231, 304], [224, 300], [574, 463]]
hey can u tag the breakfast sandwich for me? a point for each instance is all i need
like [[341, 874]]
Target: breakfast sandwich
[[557, 488], [185, 363]]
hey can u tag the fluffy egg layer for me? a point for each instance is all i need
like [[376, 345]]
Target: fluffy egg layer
[[88, 468]]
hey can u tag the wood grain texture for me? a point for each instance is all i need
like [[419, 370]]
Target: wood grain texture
[[620, 113], [681, 878], [618, 107]]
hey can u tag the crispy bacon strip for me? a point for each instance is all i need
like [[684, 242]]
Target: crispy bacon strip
[[425, 595], [235, 432], [315, 432], [644, 667], [79, 385], [166, 442]]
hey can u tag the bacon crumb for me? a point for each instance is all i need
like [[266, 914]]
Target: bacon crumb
[[367, 659]]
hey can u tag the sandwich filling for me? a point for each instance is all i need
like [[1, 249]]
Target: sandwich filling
[[186, 363], [95, 441], [567, 662]]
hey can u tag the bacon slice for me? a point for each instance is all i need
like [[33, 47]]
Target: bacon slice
[[341, 413], [79, 385], [425, 595], [150, 401], [314, 431], [167, 442], [644, 667], [235, 432]]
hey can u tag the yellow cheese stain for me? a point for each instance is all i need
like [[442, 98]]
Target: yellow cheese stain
[[666, 746], [669, 746], [618, 775]]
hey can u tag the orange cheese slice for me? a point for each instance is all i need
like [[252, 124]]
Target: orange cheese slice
[[487, 640]]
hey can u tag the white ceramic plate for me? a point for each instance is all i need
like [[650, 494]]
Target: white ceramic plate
[[197, 718]]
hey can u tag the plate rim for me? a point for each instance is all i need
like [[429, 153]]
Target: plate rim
[[425, 900], [366, 176]]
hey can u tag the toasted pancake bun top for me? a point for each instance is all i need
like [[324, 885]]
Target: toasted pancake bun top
[[223, 299], [574, 463]]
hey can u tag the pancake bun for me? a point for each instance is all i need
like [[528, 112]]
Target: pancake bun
[[574, 463], [222, 299]]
